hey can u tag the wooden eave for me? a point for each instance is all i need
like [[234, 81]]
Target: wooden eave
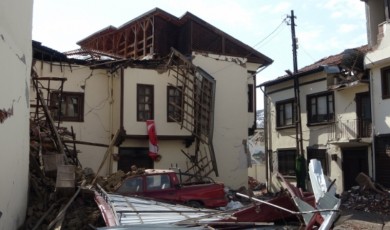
[[252, 54]]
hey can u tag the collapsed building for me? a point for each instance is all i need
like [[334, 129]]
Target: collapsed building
[[157, 92]]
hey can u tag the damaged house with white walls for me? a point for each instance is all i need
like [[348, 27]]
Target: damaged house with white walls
[[377, 62], [157, 92], [323, 112], [15, 65]]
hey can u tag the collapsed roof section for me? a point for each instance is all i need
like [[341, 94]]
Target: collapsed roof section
[[155, 32], [197, 109], [347, 66]]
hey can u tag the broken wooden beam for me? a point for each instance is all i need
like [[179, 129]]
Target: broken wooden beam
[[86, 143]]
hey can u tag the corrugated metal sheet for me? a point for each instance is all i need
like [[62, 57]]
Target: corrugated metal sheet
[[130, 211]]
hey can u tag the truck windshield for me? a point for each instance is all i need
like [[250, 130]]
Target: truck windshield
[[131, 185], [157, 182]]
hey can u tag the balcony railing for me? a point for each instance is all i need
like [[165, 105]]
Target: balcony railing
[[344, 130]]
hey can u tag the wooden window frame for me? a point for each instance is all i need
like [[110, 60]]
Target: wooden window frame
[[286, 161], [177, 106], [280, 105], [251, 98], [141, 102], [329, 116], [385, 80], [65, 97]]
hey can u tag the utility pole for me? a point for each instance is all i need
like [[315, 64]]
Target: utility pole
[[294, 41], [300, 166]]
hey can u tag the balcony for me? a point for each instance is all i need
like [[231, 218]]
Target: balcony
[[349, 130]]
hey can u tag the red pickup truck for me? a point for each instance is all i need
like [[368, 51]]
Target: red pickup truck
[[165, 185]]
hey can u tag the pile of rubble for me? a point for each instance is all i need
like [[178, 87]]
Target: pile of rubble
[[368, 197], [49, 206], [365, 200]]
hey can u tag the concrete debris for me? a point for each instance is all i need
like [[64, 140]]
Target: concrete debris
[[47, 198], [255, 185], [367, 197]]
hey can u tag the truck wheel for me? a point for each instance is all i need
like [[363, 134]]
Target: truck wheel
[[195, 204]]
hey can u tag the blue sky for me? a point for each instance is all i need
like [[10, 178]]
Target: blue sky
[[324, 27]]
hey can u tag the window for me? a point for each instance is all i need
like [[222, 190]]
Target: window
[[285, 113], [320, 107], [174, 103], [145, 103], [319, 154], [157, 182], [250, 98], [286, 162], [385, 83], [131, 185], [71, 107]]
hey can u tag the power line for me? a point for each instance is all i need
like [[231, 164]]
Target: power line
[[253, 47], [307, 53], [276, 34], [284, 20]]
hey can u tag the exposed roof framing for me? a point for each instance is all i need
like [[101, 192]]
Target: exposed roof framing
[[47, 54], [156, 31]]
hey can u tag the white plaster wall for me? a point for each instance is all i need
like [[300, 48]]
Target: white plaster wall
[[286, 135], [375, 61], [257, 171], [98, 108], [345, 108], [170, 151], [374, 15], [134, 76], [231, 118], [380, 54], [15, 64], [381, 119]]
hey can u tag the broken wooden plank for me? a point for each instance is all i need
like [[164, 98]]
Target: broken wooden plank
[[106, 154], [86, 143], [61, 215], [44, 216]]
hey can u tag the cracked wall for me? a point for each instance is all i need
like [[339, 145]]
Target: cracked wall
[[15, 66], [96, 85]]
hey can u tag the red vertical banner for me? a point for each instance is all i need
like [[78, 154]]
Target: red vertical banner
[[153, 146]]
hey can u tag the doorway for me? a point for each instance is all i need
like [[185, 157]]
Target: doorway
[[355, 160], [363, 111], [134, 156]]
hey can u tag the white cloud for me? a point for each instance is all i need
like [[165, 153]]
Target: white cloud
[[265, 8], [346, 9], [282, 7], [309, 35], [347, 28]]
